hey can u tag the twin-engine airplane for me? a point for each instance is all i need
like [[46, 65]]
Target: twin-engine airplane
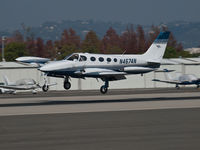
[[107, 67]]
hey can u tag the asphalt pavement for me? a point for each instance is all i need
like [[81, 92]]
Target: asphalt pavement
[[166, 129]]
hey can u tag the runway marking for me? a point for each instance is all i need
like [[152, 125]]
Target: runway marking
[[78, 104]]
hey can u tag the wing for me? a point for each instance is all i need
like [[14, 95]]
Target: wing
[[17, 87], [109, 74], [164, 81]]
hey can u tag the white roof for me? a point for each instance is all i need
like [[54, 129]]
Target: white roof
[[186, 61], [168, 62]]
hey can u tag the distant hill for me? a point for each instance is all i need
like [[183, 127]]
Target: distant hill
[[186, 32]]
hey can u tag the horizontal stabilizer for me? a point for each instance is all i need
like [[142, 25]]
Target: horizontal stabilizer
[[164, 70]]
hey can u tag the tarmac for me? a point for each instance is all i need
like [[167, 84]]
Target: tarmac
[[151, 119]]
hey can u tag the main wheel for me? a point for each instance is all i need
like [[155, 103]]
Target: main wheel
[[45, 88], [103, 89], [67, 85], [197, 86]]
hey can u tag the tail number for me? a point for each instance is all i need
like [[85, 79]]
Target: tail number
[[128, 61]]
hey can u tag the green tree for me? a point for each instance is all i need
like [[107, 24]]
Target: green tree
[[171, 52], [91, 43], [14, 50], [66, 50]]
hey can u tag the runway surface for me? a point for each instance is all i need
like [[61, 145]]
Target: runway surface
[[177, 129], [122, 119], [97, 92], [116, 100]]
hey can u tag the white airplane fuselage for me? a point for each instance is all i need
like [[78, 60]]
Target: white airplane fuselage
[[128, 64]]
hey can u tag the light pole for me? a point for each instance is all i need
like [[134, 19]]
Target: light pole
[[3, 39]]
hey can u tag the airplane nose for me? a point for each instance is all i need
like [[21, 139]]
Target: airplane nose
[[43, 69], [17, 59], [56, 66]]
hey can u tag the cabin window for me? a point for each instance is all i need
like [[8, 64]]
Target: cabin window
[[73, 57], [115, 59], [92, 58], [101, 59], [108, 59], [83, 58]]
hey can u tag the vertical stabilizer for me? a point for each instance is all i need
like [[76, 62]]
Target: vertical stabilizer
[[157, 49]]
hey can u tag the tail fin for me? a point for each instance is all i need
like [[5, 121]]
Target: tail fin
[[6, 81], [168, 76], [157, 49]]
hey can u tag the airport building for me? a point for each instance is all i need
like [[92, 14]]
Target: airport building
[[15, 71]]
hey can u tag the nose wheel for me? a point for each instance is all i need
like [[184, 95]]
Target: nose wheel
[[45, 88], [104, 88], [67, 84]]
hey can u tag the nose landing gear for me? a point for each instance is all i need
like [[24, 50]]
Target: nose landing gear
[[45, 87], [104, 88]]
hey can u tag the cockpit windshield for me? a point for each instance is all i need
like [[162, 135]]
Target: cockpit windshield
[[72, 57]]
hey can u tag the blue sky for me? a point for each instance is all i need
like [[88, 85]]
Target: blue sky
[[35, 12]]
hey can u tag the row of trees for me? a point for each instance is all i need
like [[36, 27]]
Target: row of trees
[[130, 42]]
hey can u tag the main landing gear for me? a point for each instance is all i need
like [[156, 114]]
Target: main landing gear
[[104, 88], [67, 84], [45, 87]]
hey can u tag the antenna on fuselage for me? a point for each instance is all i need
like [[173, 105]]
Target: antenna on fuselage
[[123, 52]]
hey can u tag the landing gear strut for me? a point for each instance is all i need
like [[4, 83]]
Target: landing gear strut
[[67, 84], [177, 87], [45, 87], [104, 88]]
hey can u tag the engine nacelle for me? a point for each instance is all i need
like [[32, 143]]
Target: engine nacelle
[[138, 70]]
